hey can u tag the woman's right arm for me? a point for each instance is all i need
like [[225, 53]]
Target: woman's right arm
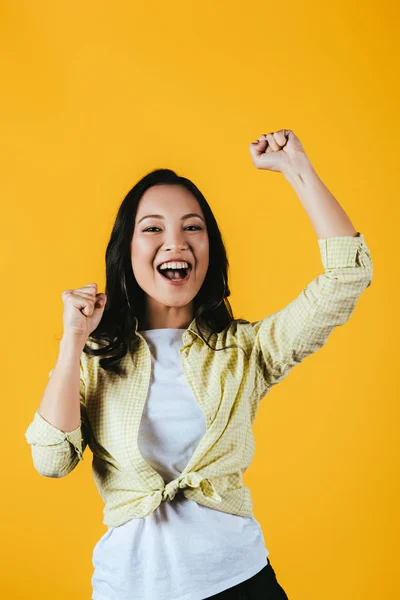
[[58, 433]]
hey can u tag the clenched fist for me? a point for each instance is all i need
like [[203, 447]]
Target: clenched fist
[[83, 310], [278, 151]]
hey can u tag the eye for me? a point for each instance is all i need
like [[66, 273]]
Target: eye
[[196, 227]]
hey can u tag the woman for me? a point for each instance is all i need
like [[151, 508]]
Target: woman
[[169, 385]]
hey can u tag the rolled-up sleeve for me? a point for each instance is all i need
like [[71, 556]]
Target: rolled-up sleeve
[[56, 453], [282, 340]]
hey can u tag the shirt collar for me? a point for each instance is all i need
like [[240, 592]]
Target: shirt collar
[[191, 330]]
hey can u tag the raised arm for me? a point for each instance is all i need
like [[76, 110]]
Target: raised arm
[[283, 339], [60, 428]]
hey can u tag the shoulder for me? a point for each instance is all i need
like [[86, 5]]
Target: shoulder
[[239, 331]]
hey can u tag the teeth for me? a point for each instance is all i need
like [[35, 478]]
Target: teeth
[[174, 265]]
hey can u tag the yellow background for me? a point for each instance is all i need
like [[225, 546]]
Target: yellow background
[[95, 95]]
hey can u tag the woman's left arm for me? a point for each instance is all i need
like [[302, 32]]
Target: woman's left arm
[[285, 338]]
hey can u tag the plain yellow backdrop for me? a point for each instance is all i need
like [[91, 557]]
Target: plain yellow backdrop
[[97, 94]]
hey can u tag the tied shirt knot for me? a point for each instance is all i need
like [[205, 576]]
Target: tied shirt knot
[[193, 480]]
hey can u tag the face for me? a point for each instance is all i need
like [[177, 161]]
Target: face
[[170, 236]]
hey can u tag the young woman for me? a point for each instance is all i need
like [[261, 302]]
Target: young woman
[[169, 385]]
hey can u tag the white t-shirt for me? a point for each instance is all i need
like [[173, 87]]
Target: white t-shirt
[[183, 550]]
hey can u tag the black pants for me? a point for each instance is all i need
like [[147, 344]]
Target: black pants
[[262, 586]]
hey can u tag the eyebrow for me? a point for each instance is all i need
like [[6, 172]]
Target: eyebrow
[[189, 215]]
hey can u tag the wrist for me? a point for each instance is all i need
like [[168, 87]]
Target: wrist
[[72, 340], [299, 170]]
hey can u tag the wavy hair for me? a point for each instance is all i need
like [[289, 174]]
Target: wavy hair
[[125, 305]]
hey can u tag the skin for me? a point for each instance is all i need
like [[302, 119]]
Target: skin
[[169, 306]]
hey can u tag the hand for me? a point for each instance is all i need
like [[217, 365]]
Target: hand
[[279, 151], [83, 310]]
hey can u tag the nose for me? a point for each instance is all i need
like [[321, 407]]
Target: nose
[[176, 241]]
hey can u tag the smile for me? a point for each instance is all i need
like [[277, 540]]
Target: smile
[[180, 281]]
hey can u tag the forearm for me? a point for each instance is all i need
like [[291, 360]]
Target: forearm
[[326, 214], [60, 405]]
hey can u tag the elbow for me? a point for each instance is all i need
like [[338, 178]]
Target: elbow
[[56, 471], [366, 280], [45, 473], [48, 464]]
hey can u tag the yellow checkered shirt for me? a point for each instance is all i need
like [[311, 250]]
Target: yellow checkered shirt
[[228, 386]]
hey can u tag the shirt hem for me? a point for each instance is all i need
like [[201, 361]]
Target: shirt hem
[[214, 589]]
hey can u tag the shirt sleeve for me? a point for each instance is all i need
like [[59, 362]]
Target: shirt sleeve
[[55, 452], [285, 338]]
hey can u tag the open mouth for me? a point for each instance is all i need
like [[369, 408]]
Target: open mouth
[[175, 274]]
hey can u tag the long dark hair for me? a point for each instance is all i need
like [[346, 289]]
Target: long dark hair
[[125, 306]]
